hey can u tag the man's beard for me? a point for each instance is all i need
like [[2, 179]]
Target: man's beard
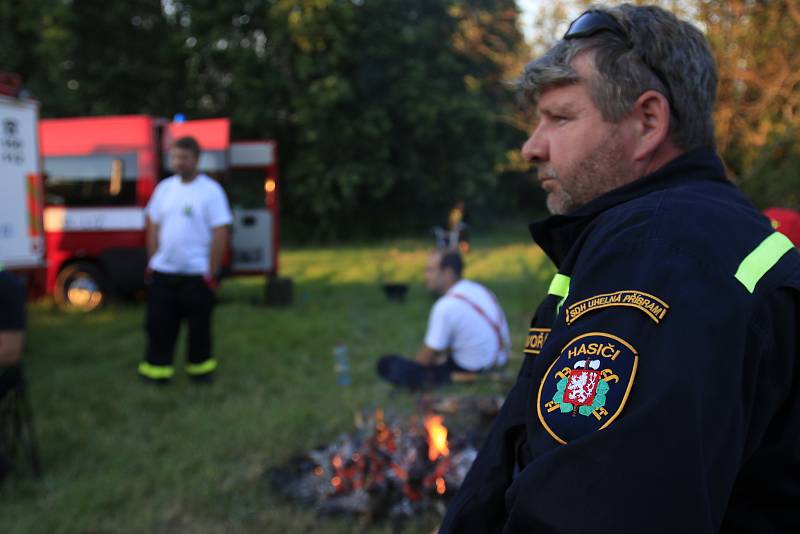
[[559, 201], [602, 170]]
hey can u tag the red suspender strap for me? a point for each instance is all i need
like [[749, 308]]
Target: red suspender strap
[[495, 326]]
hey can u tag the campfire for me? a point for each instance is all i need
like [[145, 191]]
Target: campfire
[[387, 469]]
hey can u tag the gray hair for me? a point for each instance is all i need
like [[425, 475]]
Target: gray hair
[[678, 51]]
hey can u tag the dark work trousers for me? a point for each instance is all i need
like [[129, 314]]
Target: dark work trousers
[[407, 373], [171, 298]]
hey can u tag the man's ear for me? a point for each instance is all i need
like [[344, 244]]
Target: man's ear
[[652, 116]]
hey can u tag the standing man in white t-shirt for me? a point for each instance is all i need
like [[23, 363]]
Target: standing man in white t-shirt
[[187, 233], [467, 329]]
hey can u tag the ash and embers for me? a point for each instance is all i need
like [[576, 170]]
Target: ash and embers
[[390, 467]]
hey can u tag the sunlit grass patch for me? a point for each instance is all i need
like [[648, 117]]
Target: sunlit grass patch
[[121, 456]]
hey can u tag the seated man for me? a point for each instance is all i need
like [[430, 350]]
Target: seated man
[[467, 329]]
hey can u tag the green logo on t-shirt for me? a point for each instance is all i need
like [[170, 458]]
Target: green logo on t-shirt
[[187, 210]]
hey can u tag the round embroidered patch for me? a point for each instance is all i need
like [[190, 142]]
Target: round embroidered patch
[[586, 387]]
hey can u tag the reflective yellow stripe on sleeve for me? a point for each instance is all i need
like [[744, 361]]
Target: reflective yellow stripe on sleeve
[[559, 287], [762, 259], [156, 372], [204, 368]]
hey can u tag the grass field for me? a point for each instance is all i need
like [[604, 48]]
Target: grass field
[[122, 456]]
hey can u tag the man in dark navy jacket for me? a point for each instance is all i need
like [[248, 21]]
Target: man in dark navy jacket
[[660, 390]]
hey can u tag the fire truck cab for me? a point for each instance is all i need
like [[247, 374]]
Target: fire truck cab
[[99, 175]]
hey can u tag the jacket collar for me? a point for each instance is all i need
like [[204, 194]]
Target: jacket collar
[[557, 233]]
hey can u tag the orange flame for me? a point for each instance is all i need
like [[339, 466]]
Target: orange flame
[[437, 437], [440, 486]]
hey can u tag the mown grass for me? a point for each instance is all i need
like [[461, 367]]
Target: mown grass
[[122, 456]]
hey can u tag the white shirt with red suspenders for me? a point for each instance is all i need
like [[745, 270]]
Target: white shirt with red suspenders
[[469, 321]]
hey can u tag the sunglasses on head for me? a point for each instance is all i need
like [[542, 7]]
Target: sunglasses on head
[[593, 22]]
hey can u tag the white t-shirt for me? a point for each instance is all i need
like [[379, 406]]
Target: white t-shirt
[[186, 214], [456, 325]]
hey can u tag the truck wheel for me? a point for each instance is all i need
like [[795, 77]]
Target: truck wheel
[[80, 286]]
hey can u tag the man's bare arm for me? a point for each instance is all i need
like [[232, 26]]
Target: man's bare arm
[[11, 344], [152, 237], [219, 243], [428, 356]]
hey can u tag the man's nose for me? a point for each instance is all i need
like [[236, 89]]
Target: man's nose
[[535, 150]]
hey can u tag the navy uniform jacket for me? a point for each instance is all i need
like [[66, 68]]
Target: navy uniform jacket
[[660, 387]]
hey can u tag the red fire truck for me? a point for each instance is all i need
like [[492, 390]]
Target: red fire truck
[[100, 173]]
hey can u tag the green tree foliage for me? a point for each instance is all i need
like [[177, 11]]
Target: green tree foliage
[[389, 119], [89, 57], [759, 95], [386, 111], [35, 43], [489, 37]]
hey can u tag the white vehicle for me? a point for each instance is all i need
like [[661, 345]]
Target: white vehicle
[[21, 237]]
